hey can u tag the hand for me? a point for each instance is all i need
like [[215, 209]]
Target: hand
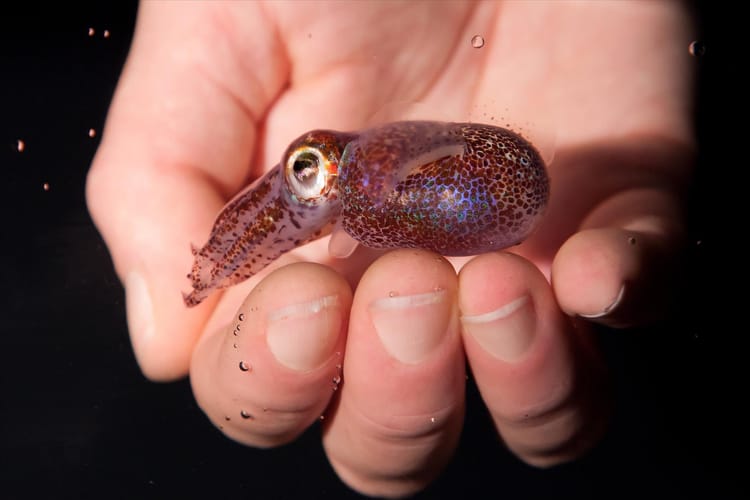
[[211, 95]]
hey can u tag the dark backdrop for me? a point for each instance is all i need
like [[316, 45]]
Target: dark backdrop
[[78, 420]]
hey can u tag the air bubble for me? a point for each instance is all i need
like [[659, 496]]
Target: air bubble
[[246, 415], [477, 41], [697, 48], [245, 367]]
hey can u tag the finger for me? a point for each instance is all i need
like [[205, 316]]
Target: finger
[[537, 376], [400, 410], [269, 374], [178, 142], [620, 270]]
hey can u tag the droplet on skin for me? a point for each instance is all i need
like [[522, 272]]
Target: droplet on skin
[[246, 415], [477, 41], [106, 34], [697, 48], [245, 367], [92, 32], [433, 420], [392, 294], [20, 145], [92, 132], [632, 240], [337, 379], [242, 317], [45, 186]]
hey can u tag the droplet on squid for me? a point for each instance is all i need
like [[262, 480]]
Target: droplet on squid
[[453, 188]]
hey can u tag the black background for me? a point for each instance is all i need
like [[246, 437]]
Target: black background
[[77, 419]]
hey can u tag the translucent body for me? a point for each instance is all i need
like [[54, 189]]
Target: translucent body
[[453, 188]]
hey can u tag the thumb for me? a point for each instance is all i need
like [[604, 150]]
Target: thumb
[[177, 143]]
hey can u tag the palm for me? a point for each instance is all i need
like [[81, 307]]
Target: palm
[[346, 78]]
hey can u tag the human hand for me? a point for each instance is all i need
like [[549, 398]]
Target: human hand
[[212, 89]]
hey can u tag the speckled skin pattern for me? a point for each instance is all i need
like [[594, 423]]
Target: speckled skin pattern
[[453, 188]]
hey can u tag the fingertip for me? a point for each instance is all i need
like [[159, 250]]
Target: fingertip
[[162, 348], [399, 415], [526, 360], [270, 373], [610, 275]]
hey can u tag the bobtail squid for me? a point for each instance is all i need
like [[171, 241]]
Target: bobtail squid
[[452, 188]]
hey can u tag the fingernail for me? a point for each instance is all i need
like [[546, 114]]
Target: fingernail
[[507, 332], [611, 307], [139, 309], [411, 326], [302, 336]]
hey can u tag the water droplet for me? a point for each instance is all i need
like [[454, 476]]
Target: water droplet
[[338, 367], [433, 420], [477, 41], [92, 31], [226, 417], [632, 240], [337, 379], [237, 328], [392, 294], [245, 367], [20, 145], [241, 317], [698, 243], [45, 186], [322, 417], [234, 345], [92, 132], [246, 415], [338, 353], [697, 48], [105, 34]]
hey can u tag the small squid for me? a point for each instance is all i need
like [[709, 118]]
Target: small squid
[[453, 188]]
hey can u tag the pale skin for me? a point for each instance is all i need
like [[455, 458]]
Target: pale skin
[[211, 95]]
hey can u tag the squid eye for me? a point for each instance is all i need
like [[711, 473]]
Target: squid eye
[[307, 174]]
